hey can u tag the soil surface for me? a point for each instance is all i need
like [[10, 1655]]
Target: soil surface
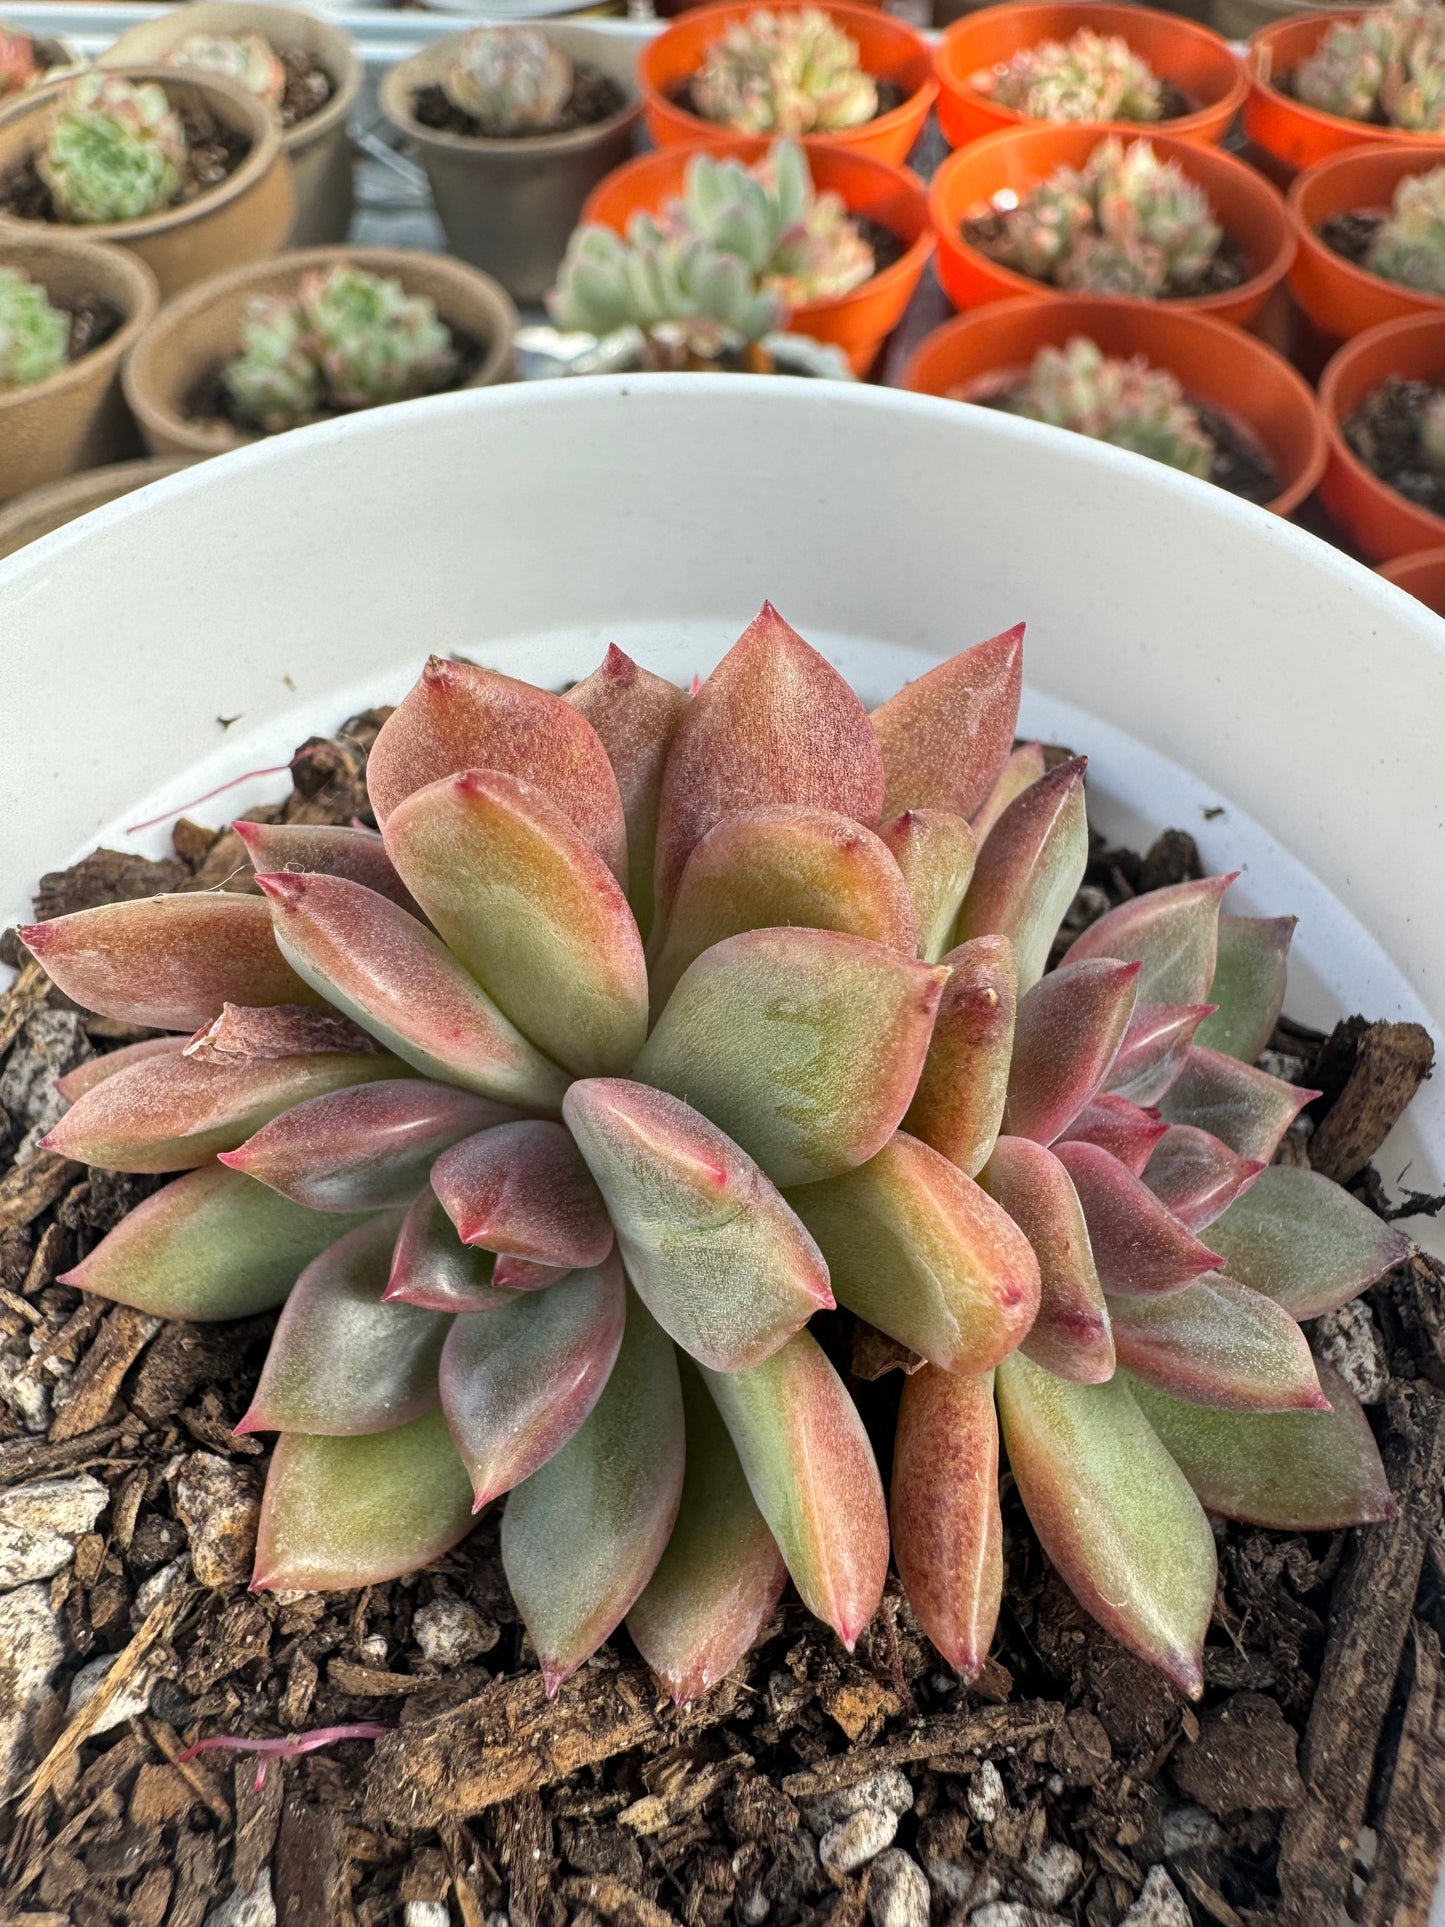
[[92, 322], [595, 97], [1352, 234], [1071, 1787], [213, 152], [890, 95], [1228, 269], [308, 85], [210, 401], [1384, 432]]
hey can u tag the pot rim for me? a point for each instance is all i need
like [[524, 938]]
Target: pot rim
[[1412, 157], [397, 85], [22, 508], [1258, 56], [1336, 369], [130, 276], [266, 148]]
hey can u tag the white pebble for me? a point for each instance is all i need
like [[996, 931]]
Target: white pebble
[[133, 1699], [426, 1913], [450, 1632], [986, 1798], [753, 1908], [373, 1649], [253, 1909], [1159, 1904], [886, 1792], [1013, 1913], [1348, 1339], [1054, 1872], [897, 1891], [40, 1522], [31, 1647], [857, 1840], [155, 1589]]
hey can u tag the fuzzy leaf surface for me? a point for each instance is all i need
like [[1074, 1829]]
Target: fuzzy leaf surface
[[1126, 1131], [1305, 1242], [335, 849], [1196, 1176], [524, 1189], [936, 851], [95, 1070], [946, 736], [1066, 1034], [1219, 1344], [1071, 1334], [1139, 1247], [1030, 869], [1171, 932], [1022, 768], [1249, 1109], [959, 1103], [1154, 1051], [431, 1266], [1248, 986]]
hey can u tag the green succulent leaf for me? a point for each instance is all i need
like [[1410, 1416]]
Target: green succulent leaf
[[1171, 932], [1248, 986], [936, 851], [1221, 1344], [959, 1103], [1030, 869], [335, 849], [945, 738], [1071, 1333], [431, 1266], [1304, 1241], [1196, 1176], [1023, 768], [1248, 1109]]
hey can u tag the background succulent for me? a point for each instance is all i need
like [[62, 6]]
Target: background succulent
[[19, 67], [1127, 403], [649, 1026], [511, 80], [113, 152], [1091, 76], [1409, 245], [1388, 65], [34, 335], [784, 73], [247, 58]]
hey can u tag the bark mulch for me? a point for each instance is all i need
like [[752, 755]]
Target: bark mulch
[[1070, 1785]]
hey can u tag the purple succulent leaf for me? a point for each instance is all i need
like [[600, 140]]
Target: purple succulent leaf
[[1022, 769], [335, 849], [1172, 932], [1125, 1130], [1247, 1108], [1139, 1247], [1218, 1343], [1068, 1030], [430, 1266], [1070, 1336], [945, 737], [1030, 869], [1154, 1051], [524, 1189], [1196, 1176]]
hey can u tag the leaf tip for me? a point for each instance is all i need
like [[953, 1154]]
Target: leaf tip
[[554, 1675]]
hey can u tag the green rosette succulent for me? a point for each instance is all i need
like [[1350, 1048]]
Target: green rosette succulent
[[113, 152], [791, 73], [1090, 77], [1386, 65], [1127, 403], [510, 80], [1408, 247], [34, 334]]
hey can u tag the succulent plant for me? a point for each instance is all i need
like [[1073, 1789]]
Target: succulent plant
[[1127, 403], [1127, 223], [795, 72], [511, 80], [34, 335], [346, 339], [1432, 430], [1387, 65], [1092, 76], [247, 58], [648, 1027], [19, 67], [114, 151], [1409, 245]]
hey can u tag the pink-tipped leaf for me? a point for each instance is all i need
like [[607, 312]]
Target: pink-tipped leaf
[[1022, 768], [1030, 869], [946, 737], [1066, 1034], [958, 1105], [1154, 1051], [1071, 1334], [335, 849], [1249, 1109], [523, 1188], [1139, 1246], [1305, 1242], [430, 1265], [936, 852], [1125, 1130], [95, 1070], [511, 1273], [1248, 987], [1196, 1176], [1172, 932], [1217, 1343]]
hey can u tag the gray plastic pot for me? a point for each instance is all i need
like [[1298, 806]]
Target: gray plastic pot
[[319, 149], [509, 205]]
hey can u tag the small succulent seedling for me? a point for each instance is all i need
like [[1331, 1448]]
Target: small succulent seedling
[[1387, 65], [510, 80], [34, 335], [19, 67], [114, 151], [1093, 77], [1127, 223], [1409, 245], [247, 58], [648, 1027], [1127, 403], [784, 73], [346, 339]]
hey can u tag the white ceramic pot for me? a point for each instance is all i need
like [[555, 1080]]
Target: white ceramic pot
[[1226, 672]]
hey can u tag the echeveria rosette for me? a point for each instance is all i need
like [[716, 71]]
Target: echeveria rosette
[[647, 1027]]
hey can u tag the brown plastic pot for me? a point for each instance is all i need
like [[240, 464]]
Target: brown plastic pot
[[1421, 575], [1249, 210], [1337, 297], [40, 511], [78, 417], [319, 148], [194, 334], [1294, 135], [1201, 65], [1225, 369], [247, 216], [509, 206], [1380, 522]]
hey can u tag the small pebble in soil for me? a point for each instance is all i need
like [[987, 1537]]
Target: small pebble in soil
[[133, 1699], [1348, 1340], [1054, 1872], [219, 1504], [1013, 1913], [425, 1913], [31, 1647], [889, 1791], [943, 1848], [1159, 1904], [857, 1840], [160, 1583], [450, 1632], [986, 1798], [897, 1891], [39, 1524], [254, 1907], [373, 1649]]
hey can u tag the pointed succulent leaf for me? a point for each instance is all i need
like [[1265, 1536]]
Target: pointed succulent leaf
[[1154, 1051], [945, 738], [947, 1528], [1124, 1130], [516, 1384], [1248, 986], [1067, 1031], [936, 851], [335, 849], [920, 1251], [709, 1244], [1172, 932], [783, 865], [244, 1031], [809, 1465], [511, 1273], [1023, 768], [635, 715], [1305, 1242], [400, 983], [460, 717], [1139, 1246], [431, 1266], [341, 1361], [717, 1583], [582, 1536], [1070, 1335], [1295, 1471], [805, 1046], [173, 1112], [1196, 1176], [773, 723], [523, 1188], [1218, 1343], [213, 1244], [531, 911], [359, 1149], [958, 1105], [169, 963], [1114, 1514], [1030, 870], [1249, 1109], [95, 1070], [345, 1512]]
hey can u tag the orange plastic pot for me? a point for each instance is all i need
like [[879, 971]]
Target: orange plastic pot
[[1421, 575], [1339, 298], [1294, 135], [887, 49], [1202, 65], [1378, 521], [1249, 210], [892, 196], [980, 354]]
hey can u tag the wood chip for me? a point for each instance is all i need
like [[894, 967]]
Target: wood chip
[[970, 1735], [122, 1339], [1410, 1837], [370, 1683], [614, 1900], [20, 1002], [30, 1188], [1391, 1061]]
